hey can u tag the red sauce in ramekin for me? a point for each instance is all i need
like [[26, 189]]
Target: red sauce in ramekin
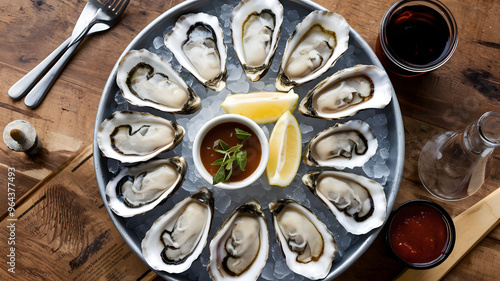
[[418, 234]]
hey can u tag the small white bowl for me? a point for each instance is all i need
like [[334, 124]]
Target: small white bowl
[[239, 119]]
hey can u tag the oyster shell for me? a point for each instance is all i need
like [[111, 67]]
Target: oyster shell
[[347, 92], [240, 248], [131, 136], [255, 29], [145, 79], [317, 42], [138, 189], [197, 42], [306, 243], [178, 237], [350, 144], [358, 203]]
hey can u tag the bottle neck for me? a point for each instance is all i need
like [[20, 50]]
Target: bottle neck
[[484, 135]]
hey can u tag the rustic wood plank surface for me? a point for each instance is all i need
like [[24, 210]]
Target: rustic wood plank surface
[[63, 232], [446, 99]]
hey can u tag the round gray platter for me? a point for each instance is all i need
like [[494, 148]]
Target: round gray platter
[[385, 167]]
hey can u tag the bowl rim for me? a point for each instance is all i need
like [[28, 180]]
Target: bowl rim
[[450, 226], [224, 119]]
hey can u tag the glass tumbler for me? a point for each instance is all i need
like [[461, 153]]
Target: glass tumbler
[[416, 36], [452, 165]]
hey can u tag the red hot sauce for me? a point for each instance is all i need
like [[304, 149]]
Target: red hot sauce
[[418, 234]]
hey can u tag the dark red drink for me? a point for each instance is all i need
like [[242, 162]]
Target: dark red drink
[[417, 35]]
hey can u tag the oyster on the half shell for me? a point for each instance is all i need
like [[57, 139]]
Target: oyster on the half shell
[[255, 29], [348, 91], [138, 189], [307, 244], [350, 144], [132, 136], [197, 41], [240, 248], [145, 79], [358, 203], [315, 45], [178, 237]]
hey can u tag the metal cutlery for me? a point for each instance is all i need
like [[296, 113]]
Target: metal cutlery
[[95, 17]]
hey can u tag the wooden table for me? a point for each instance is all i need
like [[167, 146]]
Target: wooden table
[[446, 99]]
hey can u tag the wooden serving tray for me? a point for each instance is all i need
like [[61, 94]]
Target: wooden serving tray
[[60, 230]]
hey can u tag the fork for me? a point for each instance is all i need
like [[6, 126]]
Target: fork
[[95, 17], [27, 82]]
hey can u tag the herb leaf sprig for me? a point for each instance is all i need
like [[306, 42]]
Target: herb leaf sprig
[[232, 155]]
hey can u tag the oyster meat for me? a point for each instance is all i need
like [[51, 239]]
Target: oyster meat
[[358, 203], [347, 92], [255, 29], [306, 243], [178, 237], [350, 144], [145, 79], [197, 42], [131, 136], [317, 42], [138, 189], [240, 248]]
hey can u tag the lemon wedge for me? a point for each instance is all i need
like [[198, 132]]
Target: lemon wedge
[[261, 107], [285, 149]]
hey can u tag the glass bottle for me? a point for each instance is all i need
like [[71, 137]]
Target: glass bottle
[[452, 165]]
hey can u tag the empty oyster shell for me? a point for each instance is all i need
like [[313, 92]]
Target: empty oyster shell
[[178, 237], [255, 29], [317, 42], [306, 243], [145, 79], [347, 92], [131, 136], [240, 248], [197, 42], [358, 203], [138, 189], [350, 144]]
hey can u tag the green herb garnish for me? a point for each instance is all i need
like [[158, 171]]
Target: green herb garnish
[[242, 135], [232, 155]]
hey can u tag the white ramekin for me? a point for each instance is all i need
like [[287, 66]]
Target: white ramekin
[[238, 119]]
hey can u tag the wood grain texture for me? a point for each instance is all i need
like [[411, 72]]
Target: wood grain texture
[[64, 122], [446, 99], [63, 232]]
